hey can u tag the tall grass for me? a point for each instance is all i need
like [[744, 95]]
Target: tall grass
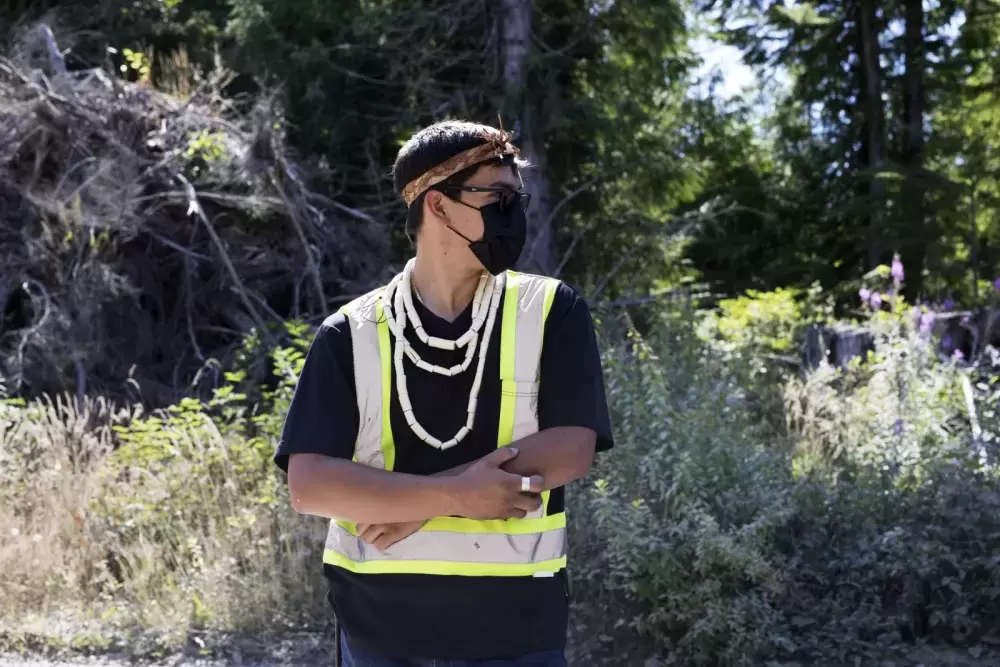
[[170, 524]]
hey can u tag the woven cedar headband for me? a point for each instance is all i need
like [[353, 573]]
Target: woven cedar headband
[[497, 145]]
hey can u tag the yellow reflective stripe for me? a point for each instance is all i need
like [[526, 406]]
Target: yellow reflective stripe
[[454, 524], [508, 346], [385, 352], [331, 557], [505, 432]]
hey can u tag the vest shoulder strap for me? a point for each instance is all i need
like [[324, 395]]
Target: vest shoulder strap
[[527, 302], [372, 379], [363, 305]]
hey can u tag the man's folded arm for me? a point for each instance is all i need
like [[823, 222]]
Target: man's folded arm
[[339, 489], [559, 455], [317, 446]]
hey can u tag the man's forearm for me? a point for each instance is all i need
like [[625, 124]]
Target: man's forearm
[[559, 455], [339, 489]]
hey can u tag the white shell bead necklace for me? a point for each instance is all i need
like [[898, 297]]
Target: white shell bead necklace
[[397, 304]]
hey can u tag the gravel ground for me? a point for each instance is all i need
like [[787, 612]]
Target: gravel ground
[[17, 661], [112, 661], [11, 660], [920, 658]]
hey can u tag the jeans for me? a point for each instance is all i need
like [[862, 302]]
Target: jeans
[[354, 656]]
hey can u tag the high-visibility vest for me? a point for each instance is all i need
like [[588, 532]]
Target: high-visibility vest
[[532, 546]]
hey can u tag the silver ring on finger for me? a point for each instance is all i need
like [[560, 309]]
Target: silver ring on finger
[[525, 484]]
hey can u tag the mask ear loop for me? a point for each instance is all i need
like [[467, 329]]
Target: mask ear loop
[[467, 239], [474, 208]]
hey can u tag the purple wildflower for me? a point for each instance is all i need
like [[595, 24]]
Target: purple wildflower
[[948, 304], [897, 269], [926, 322], [958, 355], [996, 284], [864, 293], [897, 427], [876, 300], [965, 319], [946, 342]]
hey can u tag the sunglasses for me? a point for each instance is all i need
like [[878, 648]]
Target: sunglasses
[[508, 196]]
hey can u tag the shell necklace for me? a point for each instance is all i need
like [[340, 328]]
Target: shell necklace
[[397, 304]]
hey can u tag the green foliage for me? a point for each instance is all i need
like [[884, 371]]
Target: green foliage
[[185, 444], [766, 322], [170, 521], [205, 145], [711, 538], [263, 378], [810, 211], [205, 155], [674, 538], [136, 62]]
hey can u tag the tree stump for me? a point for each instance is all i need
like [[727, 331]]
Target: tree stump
[[966, 332], [836, 345]]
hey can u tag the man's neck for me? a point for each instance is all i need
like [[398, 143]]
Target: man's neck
[[443, 291]]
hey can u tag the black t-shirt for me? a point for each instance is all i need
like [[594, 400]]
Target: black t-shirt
[[433, 616]]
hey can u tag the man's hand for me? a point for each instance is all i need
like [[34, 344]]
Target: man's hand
[[485, 491], [384, 535]]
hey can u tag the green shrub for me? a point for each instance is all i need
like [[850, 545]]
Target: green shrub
[[766, 322], [758, 335], [707, 537], [673, 542]]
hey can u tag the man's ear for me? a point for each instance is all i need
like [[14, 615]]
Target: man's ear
[[435, 203]]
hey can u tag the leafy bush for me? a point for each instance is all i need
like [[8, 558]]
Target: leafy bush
[[709, 538], [758, 336], [674, 540], [766, 322]]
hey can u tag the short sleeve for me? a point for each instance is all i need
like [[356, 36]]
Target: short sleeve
[[571, 391], [323, 415]]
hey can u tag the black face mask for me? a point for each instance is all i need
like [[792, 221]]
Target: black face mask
[[504, 231]]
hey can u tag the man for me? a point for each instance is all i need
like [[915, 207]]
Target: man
[[445, 543]]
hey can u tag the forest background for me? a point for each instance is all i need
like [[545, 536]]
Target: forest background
[[795, 284]]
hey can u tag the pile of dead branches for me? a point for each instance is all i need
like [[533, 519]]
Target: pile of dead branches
[[142, 235]]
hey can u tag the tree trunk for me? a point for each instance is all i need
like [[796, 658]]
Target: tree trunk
[[871, 77], [913, 144], [539, 254]]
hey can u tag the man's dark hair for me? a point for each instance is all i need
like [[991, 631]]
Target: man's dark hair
[[430, 147]]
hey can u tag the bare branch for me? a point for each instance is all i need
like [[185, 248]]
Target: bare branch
[[297, 225], [580, 232], [672, 227], [194, 208]]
